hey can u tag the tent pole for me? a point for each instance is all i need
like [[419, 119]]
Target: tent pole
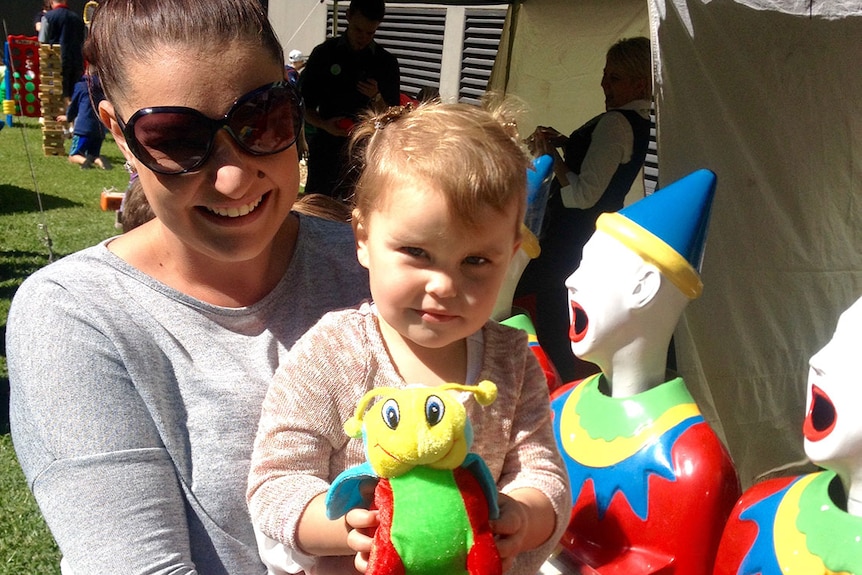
[[335, 18]]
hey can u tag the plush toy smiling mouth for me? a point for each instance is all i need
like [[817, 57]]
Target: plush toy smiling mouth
[[821, 416], [578, 327]]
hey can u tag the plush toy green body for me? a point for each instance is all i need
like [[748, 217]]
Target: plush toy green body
[[434, 498]]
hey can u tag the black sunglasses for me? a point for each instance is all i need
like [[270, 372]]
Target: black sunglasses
[[177, 140]]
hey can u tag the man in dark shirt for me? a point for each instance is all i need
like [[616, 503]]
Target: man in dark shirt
[[343, 77], [67, 29]]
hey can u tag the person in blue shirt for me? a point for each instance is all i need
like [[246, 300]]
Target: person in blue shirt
[[65, 27], [88, 133]]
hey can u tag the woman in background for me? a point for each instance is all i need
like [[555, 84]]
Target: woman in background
[[600, 161]]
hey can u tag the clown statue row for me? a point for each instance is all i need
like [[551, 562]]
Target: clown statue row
[[810, 524], [539, 177], [652, 484]]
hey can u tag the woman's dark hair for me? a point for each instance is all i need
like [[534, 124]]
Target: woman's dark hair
[[126, 31]]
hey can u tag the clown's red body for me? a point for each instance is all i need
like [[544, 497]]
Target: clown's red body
[[662, 508]]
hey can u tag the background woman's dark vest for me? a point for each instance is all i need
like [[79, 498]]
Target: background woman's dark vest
[[565, 231]]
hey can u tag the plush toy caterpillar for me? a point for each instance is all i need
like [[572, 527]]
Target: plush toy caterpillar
[[434, 498]]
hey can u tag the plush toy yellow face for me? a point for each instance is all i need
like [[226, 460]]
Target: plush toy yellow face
[[418, 426], [415, 426]]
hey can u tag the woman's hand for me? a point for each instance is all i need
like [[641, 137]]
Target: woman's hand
[[545, 141], [552, 136]]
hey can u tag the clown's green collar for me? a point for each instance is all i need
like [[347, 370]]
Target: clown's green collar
[[608, 417]]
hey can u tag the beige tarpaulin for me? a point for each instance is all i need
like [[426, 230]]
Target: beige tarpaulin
[[771, 101], [558, 53], [767, 94]]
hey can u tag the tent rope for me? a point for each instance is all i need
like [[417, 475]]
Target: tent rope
[[302, 24], [42, 226]]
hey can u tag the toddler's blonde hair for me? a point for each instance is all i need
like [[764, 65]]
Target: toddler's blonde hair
[[470, 154]]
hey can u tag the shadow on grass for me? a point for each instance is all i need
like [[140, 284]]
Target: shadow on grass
[[4, 387], [4, 405], [16, 265], [15, 199]]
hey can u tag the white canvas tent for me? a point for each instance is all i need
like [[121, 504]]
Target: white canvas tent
[[769, 96]]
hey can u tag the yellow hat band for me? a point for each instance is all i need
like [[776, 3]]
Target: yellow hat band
[[529, 242], [653, 250]]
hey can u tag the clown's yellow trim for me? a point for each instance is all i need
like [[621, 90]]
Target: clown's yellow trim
[[789, 542], [653, 250], [529, 242], [89, 10], [602, 453]]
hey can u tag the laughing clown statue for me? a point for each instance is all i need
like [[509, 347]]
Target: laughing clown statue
[[810, 524], [652, 484]]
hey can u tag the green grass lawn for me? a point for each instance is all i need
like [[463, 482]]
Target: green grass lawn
[[26, 545], [46, 212]]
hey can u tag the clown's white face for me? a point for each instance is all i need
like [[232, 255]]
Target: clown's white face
[[600, 298], [832, 428]]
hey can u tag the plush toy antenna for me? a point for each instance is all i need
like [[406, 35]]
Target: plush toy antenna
[[353, 426], [485, 392]]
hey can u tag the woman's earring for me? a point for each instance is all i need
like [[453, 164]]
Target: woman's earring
[[130, 168]]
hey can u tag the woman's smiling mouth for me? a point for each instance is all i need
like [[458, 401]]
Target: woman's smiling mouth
[[234, 211]]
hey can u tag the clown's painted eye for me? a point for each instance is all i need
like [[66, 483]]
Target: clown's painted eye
[[433, 410], [391, 414]]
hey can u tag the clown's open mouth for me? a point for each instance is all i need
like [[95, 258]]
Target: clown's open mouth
[[820, 419], [578, 328]]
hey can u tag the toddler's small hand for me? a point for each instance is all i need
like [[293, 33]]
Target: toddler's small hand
[[363, 524], [509, 529]]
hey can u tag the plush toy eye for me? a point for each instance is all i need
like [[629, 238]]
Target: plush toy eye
[[391, 413], [433, 410]]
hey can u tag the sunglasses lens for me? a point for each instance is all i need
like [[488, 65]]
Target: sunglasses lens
[[267, 122], [172, 142]]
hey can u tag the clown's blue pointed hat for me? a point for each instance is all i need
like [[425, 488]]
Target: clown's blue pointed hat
[[668, 228], [539, 176]]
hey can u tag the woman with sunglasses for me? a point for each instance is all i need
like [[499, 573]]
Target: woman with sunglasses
[[138, 366]]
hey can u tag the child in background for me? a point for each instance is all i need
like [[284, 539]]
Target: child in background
[[296, 61], [134, 209], [295, 64], [439, 205], [88, 132]]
